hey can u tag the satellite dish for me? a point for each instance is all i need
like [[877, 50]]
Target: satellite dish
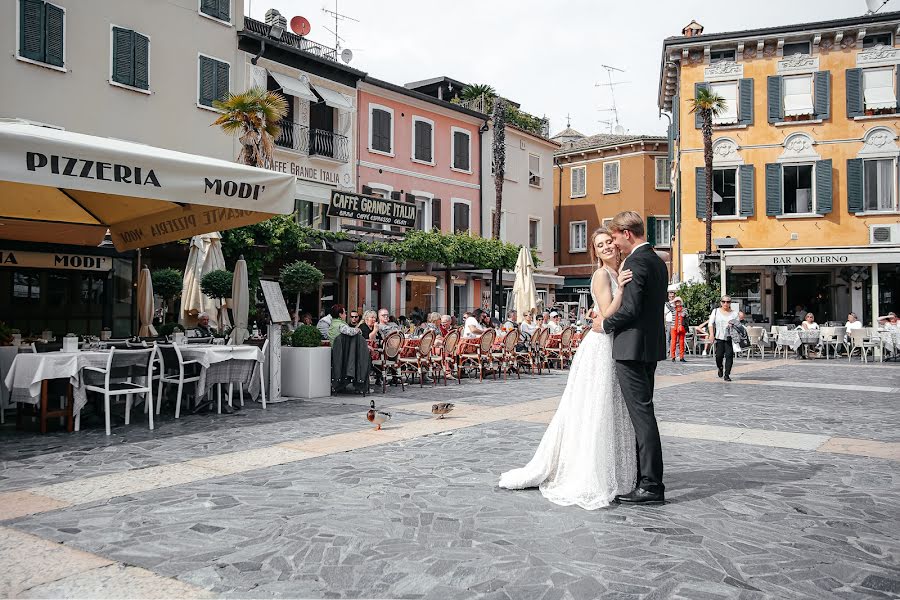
[[874, 5], [619, 130], [300, 25], [346, 55]]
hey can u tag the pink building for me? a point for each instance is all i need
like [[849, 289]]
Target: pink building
[[418, 149]]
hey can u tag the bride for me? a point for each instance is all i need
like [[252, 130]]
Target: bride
[[587, 455]]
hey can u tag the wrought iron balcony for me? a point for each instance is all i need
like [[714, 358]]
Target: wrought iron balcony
[[313, 142], [293, 136], [292, 39]]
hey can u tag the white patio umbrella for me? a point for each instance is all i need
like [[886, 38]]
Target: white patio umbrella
[[524, 293], [145, 303], [240, 302], [205, 255]]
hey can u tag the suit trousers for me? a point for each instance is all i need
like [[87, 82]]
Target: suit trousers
[[636, 379]]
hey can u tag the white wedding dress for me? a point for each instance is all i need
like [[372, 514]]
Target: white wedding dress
[[587, 455]]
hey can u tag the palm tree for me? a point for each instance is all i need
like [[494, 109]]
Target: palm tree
[[476, 90], [498, 149], [708, 105], [254, 115]]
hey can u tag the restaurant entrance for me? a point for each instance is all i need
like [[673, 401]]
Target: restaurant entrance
[[812, 292]]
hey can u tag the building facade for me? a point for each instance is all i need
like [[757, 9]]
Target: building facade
[[126, 69], [593, 179], [805, 168]]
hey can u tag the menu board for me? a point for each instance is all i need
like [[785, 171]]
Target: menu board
[[275, 301]]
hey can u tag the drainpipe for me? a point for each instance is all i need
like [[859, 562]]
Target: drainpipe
[[674, 210], [558, 232], [481, 131]]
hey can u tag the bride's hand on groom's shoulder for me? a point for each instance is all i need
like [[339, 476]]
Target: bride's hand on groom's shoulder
[[624, 277]]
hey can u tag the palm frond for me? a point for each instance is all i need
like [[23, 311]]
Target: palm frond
[[253, 115], [707, 100]]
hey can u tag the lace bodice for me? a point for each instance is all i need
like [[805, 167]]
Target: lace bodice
[[613, 287]]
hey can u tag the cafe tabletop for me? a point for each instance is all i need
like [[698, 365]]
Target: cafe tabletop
[[209, 354], [29, 370]]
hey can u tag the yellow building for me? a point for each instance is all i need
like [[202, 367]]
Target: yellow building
[[805, 164]]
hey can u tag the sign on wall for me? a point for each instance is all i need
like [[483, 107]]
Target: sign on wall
[[54, 260], [371, 209]]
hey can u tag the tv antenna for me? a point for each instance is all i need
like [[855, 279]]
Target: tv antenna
[[874, 6], [606, 122], [338, 17], [612, 92]]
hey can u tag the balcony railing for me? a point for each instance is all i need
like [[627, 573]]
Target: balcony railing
[[313, 142], [485, 104], [292, 39]]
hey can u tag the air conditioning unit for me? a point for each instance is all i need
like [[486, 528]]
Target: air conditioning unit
[[884, 234]]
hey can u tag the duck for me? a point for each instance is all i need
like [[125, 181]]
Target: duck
[[378, 417], [441, 409]]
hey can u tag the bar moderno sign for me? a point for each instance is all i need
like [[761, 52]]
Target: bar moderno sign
[[371, 209]]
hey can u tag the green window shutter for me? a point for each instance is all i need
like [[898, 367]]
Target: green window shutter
[[748, 198], [745, 110], [223, 11], [54, 34], [676, 115], [435, 214], [31, 29], [773, 189], [854, 93], [775, 107], [855, 185], [651, 230], [141, 61], [207, 81], [222, 80], [700, 180], [461, 151], [698, 121], [210, 7], [670, 148], [396, 196], [823, 186], [123, 56], [823, 95]]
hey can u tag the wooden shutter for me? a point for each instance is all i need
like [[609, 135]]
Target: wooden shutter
[[423, 141], [651, 230], [854, 93], [461, 217], [141, 61], [123, 56], [700, 179], [210, 7], [435, 214], [855, 185], [207, 81], [31, 29], [222, 79], [822, 100], [366, 190], [698, 120], [775, 108], [676, 115], [54, 34], [823, 186], [396, 196], [223, 11], [460, 151], [745, 102], [773, 189], [381, 130], [747, 191]]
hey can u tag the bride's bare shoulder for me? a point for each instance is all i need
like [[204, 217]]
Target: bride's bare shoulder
[[599, 278]]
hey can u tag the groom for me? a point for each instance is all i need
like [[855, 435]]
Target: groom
[[638, 344]]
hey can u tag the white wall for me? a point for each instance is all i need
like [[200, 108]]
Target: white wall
[[82, 99]]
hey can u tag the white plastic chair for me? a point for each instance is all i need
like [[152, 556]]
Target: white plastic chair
[[122, 359], [174, 369], [757, 337], [833, 338], [861, 339]]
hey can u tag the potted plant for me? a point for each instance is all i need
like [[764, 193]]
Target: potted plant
[[305, 364], [217, 285], [167, 284], [300, 277]]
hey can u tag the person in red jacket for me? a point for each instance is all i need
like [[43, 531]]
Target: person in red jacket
[[679, 327]]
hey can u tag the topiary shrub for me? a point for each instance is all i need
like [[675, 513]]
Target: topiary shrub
[[300, 277], [305, 336], [217, 284], [167, 284]]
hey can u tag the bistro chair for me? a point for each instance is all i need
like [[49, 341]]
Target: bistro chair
[[420, 360], [557, 351], [505, 357], [832, 338], [443, 362], [389, 364], [127, 365], [477, 353], [175, 370], [199, 340], [757, 336], [539, 349], [704, 341], [862, 339]]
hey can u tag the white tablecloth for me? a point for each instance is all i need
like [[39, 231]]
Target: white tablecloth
[[28, 370], [212, 357], [7, 356]]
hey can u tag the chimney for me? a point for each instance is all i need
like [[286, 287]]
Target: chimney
[[691, 30], [273, 17]]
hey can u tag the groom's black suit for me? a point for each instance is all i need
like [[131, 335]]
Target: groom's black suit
[[639, 342]]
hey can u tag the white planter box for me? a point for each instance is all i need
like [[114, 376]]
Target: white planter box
[[305, 372]]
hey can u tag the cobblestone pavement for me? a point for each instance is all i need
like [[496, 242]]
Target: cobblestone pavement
[[304, 500]]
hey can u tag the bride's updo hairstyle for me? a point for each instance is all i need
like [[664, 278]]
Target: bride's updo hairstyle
[[592, 250]]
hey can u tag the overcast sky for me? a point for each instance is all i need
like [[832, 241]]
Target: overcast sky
[[544, 54]]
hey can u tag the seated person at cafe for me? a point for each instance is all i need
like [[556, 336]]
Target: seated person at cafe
[[306, 319], [445, 325], [339, 324], [544, 319], [809, 322], [510, 322], [386, 324], [528, 326], [369, 326], [555, 325], [853, 322], [433, 323], [892, 322], [203, 329], [324, 325], [472, 327]]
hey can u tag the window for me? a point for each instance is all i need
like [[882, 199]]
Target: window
[[423, 140], [579, 182], [879, 184], [26, 287], [722, 54], [605, 222], [217, 9], [611, 177], [461, 222], [796, 48], [534, 170], [798, 99], [42, 32], [424, 206], [725, 199], [728, 90], [663, 231], [214, 80], [130, 58], [534, 233], [663, 181], [578, 236], [381, 129], [313, 215], [798, 189], [878, 39], [461, 142], [878, 89]]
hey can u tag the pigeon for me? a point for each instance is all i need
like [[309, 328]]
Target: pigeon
[[378, 417], [441, 409]]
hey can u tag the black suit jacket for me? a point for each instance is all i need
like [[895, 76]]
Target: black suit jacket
[[637, 327]]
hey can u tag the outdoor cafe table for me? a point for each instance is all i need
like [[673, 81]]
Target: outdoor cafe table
[[225, 364], [29, 371], [799, 337]]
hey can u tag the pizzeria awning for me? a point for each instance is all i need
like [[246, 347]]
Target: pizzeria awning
[[294, 87], [333, 99], [63, 186]]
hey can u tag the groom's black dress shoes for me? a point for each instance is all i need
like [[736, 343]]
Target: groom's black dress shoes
[[642, 496]]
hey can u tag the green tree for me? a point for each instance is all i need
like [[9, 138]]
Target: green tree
[[699, 299], [708, 105], [167, 284], [217, 284], [477, 90], [254, 116], [300, 277]]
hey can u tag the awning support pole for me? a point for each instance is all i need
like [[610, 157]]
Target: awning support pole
[[875, 293]]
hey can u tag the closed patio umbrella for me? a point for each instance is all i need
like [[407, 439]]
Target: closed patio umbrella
[[240, 302], [205, 255], [145, 304], [524, 293]]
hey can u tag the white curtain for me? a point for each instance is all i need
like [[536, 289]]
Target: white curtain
[[728, 92], [798, 96], [879, 88]]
